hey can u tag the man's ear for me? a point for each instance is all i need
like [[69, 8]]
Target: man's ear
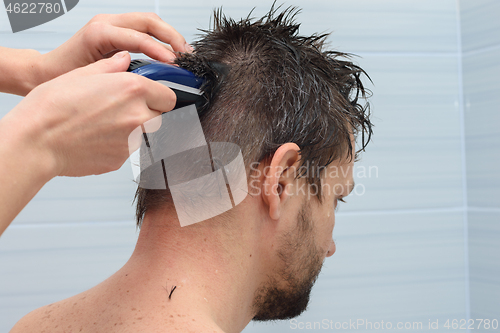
[[279, 177]]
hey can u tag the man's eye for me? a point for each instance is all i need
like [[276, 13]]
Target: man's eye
[[337, 206]]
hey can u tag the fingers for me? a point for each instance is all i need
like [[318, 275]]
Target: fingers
[[118, 63], [152, 24], [158, 97], [106, 35], [111, 38], [132, 32], [166, 46]]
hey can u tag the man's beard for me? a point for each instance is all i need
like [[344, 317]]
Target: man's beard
[[287, 295]]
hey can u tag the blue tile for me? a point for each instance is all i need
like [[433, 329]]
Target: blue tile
[[385, 26], [42, 264], [415, 156], [482, 120], [187, 18], [4, 24], [7, 103], [106, 197], [479, 24], [484, 259]]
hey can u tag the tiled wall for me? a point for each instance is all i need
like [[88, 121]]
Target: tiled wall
[[481, 73], [401, 241]]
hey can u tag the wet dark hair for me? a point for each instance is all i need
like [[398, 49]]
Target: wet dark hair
[[265, 85]]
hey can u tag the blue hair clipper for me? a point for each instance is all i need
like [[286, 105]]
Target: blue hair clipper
[[185, 84]]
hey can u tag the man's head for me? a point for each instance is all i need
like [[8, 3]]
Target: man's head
[[292, 107]]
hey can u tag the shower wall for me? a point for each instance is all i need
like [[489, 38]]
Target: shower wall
[[481, 87]]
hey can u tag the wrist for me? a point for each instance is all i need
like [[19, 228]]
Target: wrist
[[24, 170], [20, 70], [29, 72], [35, 72], [20, 148]]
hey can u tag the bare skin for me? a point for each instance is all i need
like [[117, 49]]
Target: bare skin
[[79, 105], [216, 269]]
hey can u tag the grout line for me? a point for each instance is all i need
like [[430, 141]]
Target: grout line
[[481, 50], [483, 209], [402, 211], [406, 54], [464, 162], [69, 224], [339, 214]]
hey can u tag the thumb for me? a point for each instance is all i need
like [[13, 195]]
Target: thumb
[[117, 63]]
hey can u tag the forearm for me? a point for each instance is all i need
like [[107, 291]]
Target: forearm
[[19, 70], [24, 169]]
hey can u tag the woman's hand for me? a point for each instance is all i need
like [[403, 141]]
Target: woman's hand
[[105, 35], [81, 120], [101, 38], [77, 124]]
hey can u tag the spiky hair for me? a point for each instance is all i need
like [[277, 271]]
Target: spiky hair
[[266, 85]]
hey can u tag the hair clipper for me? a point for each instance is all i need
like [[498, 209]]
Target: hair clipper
[[184, 84]]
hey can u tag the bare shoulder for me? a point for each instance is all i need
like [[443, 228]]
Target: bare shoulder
[[58, 316], [52, 318], [35, 321], [94, 312]]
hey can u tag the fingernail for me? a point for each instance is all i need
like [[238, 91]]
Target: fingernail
[[188, 48], [119, 55]]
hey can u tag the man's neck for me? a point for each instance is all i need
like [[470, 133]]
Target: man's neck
[[193, 275]]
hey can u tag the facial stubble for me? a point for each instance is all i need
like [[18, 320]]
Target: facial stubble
[[287, 292]]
